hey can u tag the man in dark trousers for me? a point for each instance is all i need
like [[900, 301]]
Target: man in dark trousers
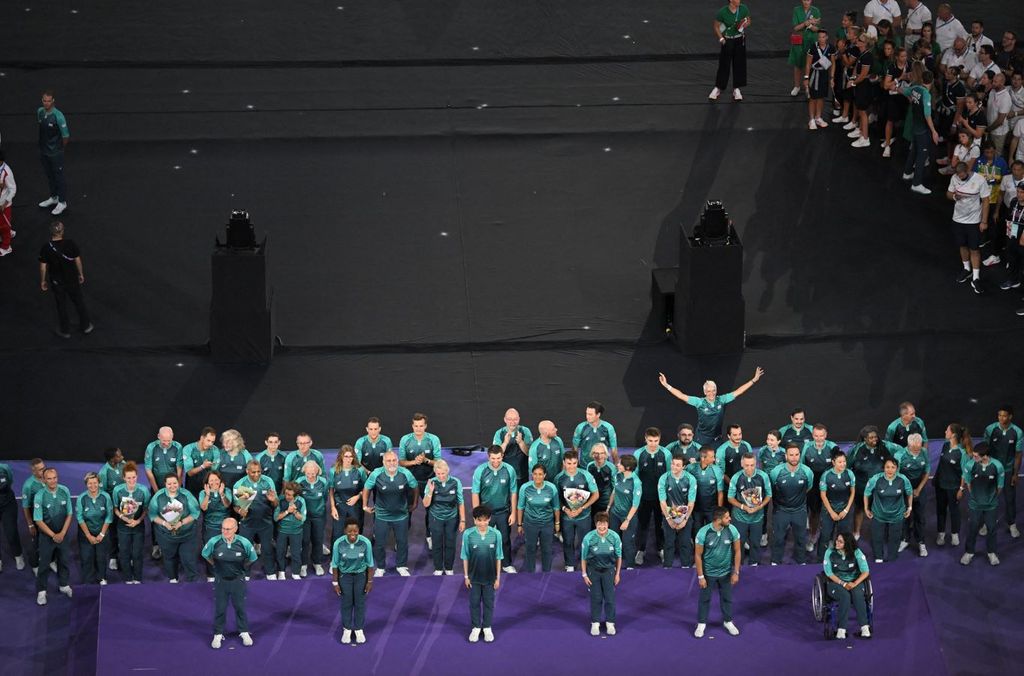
[[60, 271], [53, 136], [730, 24]]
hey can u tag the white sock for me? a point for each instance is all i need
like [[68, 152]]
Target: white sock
[[967, 266], [975, 274]]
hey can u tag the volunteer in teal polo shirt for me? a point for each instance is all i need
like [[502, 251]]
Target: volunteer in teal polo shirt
[[592, 431], [983, 479], [577, 492], [837, 489], [371, 447], [677, 495], [887, 501], [790, 485], [547, 449], [174, 512], [443, 497], [215, 503], [710, 409], [847, 568], [601, 563], [750, 493], [481, 565], [94, 512], [1006, 444], [131, 500], [539, 518], [515, 441], [352, 570], [496, 484], [718, 568], [33, 484], [52, 511], [652, 461], [395, 493], [230, 556], [201, 456], [914, 464], [628, 491]]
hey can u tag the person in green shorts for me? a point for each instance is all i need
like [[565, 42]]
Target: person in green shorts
[[625, 504], [215, 503], [230, 555], [539, 518], [131, 500], [710, 408], [547, 449], [914, 464], [94, 512], [443, 497], [838, 489], [352, 570], [888, 500], [290, 516], [750, 493], [481, 565], [806, 21], [847, 568], [173, 512], [983, 479], [52, 511], [601, 564], [718, 567]]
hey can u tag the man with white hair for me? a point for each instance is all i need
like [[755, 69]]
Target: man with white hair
[[710, 408], [515, 441], [913, 464]]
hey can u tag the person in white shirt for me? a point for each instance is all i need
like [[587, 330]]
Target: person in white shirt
[[7, 189], [957, 57], [977, 38], [1008, 186], [947, 27], [985, 65], [917, 15], [969, 193], [998, 110], [876, 10], [1016, 146], [1016, 97]]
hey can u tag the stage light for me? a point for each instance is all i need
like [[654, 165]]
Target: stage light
[[240, 232]]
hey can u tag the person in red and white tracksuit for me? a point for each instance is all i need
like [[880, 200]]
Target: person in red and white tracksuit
[[7, 189]]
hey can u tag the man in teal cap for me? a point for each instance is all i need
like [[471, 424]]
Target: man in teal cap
[[718, 567], [230, 555]]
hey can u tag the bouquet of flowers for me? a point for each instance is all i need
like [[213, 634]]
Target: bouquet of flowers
[[676, 513], [244, 495], [129, 506], [172, 511], [752, 496], [576, 497]]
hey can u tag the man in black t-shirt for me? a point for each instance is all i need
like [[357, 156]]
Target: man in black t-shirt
[[60, 271]]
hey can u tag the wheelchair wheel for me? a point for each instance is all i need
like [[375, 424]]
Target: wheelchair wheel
[[819, 597]]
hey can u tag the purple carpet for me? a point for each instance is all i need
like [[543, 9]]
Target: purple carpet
[[418, 625]]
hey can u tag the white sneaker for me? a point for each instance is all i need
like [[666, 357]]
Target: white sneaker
[[570, 569], [990, 261], [850, 126], [879, 561], [173, 580], [156, 553], [279, 576], [511, 570], [982, 531], [922, 550], [41, 598], [955, 539], [403, 571], [379, 572], [865, 631], [966, 559], [438, 572], [103, 583], [639, 559], [360, 636], [820, 122], [430, 542], [810, 546], [992, 559], [8, 250], [65, 590], [661, 555], [113, 564], [731, 628], [295, 577], [947, 171], [861, 143], [609, 628], [794, 91], [595, 628], [474, 635], [318, 569], [246, 639], [217, 639], [941, 539], [764, 540], [488, 635], [715, 93], [840, 634], [326, 550], [303, 571], [346, 636], [840, 119], [19, 562], [920, 190], [908, 176], [209, 579], [736, 95], [35, 572], [60, 208], [855, 134], [699, 631], [49, 202], [887, 152], [812, 126], [449, 572], [903, 545], [856, 537], [1014, 533]]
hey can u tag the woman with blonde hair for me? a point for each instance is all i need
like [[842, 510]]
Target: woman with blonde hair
[[443, 496], [94, 513], [233, 458]]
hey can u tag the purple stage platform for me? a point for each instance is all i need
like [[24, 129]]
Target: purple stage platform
[[418, 625]]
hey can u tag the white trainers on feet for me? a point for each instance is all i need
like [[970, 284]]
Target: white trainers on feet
[[920, 190], [715, 93], [570, 569], [217, 640], [41, 598], [511, 570], [379, 572], [66, 591], [855, 134], [840, 120], [474, 635], [438, 572], [861, 143], [966, 559], [318, 569], [940, 540], [246, 639], [699, 631], [865, 631], [991, 260], [922, 550], [840, 634], [60, 208], [346, 636], [954, 539], [764, 540], [403, 571], [887, 152], [794, 91], [279, 576], [19, 562], [609, 628], [7, 251], [303, 571], [595, 628], [993, 559], [113, 564], [812, 126], [488, 635], [295, 577], [48, 202], [903, 545], [430, 542], [731, 628], [820, 122], [850, 126], [1014, 533], [360, 636], [736, 95]]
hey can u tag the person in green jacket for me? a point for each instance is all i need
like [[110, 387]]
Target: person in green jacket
[[111, 476], [131, 500], [628, 492], [230, 556], [847, 570], [601, 564], [718, 567], [52, 512], [913, 462], [539, 518], [983, 479], [94, 512], [838, 490], [290, 515], [1006, 444], [481, 565], [443, 497], [352, 570], [888, 500], [750, 493], [314, 489], [806, 21]]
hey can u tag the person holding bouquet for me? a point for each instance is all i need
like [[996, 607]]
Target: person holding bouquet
[[345, 491], [352, 569], [94, 512], [539, 518], [255, 499], [578, 492], [313, 488], [215, 502], [443, 497], [173, 512], [130, 502], [230, 555], [718, 567], [750, 492], [677, 494], [290, 517], [601, 563], [481, 565]]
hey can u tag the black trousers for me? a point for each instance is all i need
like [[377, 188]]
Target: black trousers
[[62, 293], [648, 511], [733, 56], [9, 523]]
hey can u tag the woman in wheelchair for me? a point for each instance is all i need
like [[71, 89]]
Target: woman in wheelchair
[[846, 568]]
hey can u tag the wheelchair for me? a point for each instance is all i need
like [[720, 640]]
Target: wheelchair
[[826, 609]]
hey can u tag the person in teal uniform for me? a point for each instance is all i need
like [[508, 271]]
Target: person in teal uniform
[[817, 455], [33, 484], [395, 493], [345, 491], [314, 490], [443, 497], [296, 460], [481, 564], [272, 460], [797, 430], [111, 476], [847, 569], [9, 515], [866, 459], [515, 440], [539, 518], [577, 493], [174, 512], [496, 484], [230, 555], [162, 457], [710, 408], [290, 517], [547, 449], [837, 489], [371, 447], [594, 430], [710, 487], [257, 512], [913, 463], [94, 512], [718, 568], [601, 564], [750, 493], [888, 500], [677, 496], [684, 444], [52, 511], [806, 21], [1006, 444], [902, 427], [233, 458], [982, 480], [604, 476], [770, 456], [215, 503], [652, 461], [201, 457], [131, 501], [352, 570], [948, 471], [728, 455], [625, 503], [790, 484], [417, 452]]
